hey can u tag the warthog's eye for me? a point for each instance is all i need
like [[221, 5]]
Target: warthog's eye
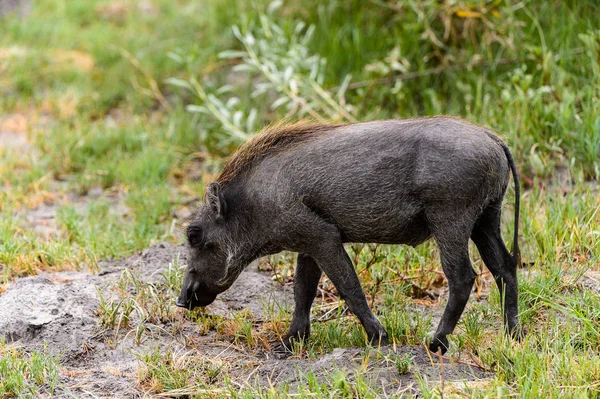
[[194, 236]]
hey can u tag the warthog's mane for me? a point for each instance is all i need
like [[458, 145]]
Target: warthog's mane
[[274, 138]]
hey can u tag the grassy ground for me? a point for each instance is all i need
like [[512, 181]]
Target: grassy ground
[[114, 115]]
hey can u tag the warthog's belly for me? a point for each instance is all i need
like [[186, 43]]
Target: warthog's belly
[[411, 231]]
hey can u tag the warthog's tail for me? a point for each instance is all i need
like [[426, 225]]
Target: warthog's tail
[[513, 168]]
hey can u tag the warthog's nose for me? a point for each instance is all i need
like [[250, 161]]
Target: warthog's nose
[[193, 297], [182, 303], [186, 295]]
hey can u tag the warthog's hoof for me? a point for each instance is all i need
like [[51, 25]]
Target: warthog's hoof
[[379, 339], [283, 349], [517, 333], [439, 344]]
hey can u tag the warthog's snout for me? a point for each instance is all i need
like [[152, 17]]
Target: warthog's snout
[[193, 296]]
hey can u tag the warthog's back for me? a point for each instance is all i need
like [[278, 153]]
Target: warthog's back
[[376, 180]]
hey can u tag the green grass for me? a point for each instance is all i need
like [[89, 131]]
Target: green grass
[[26, 375], [126, 106]]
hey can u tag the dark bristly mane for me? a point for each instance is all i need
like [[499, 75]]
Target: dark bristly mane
[[273, 139]]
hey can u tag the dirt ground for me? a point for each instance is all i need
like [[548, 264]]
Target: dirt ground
[[59, 310]]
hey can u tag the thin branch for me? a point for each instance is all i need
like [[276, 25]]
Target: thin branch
[[439, 69], [216, 113], [149, 79], [256, 61], [325, 96], [426, 72]]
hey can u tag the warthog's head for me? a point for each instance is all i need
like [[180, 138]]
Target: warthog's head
[[209, 271]]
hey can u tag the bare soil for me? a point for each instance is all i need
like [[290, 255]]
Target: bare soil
[[59, 311]]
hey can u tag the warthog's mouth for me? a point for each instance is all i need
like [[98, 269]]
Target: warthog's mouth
[[194, 301]]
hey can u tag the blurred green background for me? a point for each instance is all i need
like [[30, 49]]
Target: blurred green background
[[527, 69]]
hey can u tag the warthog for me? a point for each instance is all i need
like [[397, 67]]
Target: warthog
[[310, 188]]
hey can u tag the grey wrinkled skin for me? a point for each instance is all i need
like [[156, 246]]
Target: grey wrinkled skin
[[388, 182]]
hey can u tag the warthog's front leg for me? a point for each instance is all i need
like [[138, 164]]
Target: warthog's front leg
[[322, 243], [306, 281], [336, 264]]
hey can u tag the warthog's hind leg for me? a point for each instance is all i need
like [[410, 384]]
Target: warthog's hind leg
[[452, 233], [498, 260]]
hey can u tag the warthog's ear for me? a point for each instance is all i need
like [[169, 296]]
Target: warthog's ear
[[216, 200]]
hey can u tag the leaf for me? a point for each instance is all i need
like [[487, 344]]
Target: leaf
[[250, 120], [175, 57], [274, 6], [179, 83], [232, 102], [344, 86], [288, 73], [215, 100], [224, 89], [536, 162], [294, 86], [308, 35], [468, 14], [244, 68], [200, 109], [237, 118], [260, 89], [279, 102], [229, 54], [299, 27], [237, 33]]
